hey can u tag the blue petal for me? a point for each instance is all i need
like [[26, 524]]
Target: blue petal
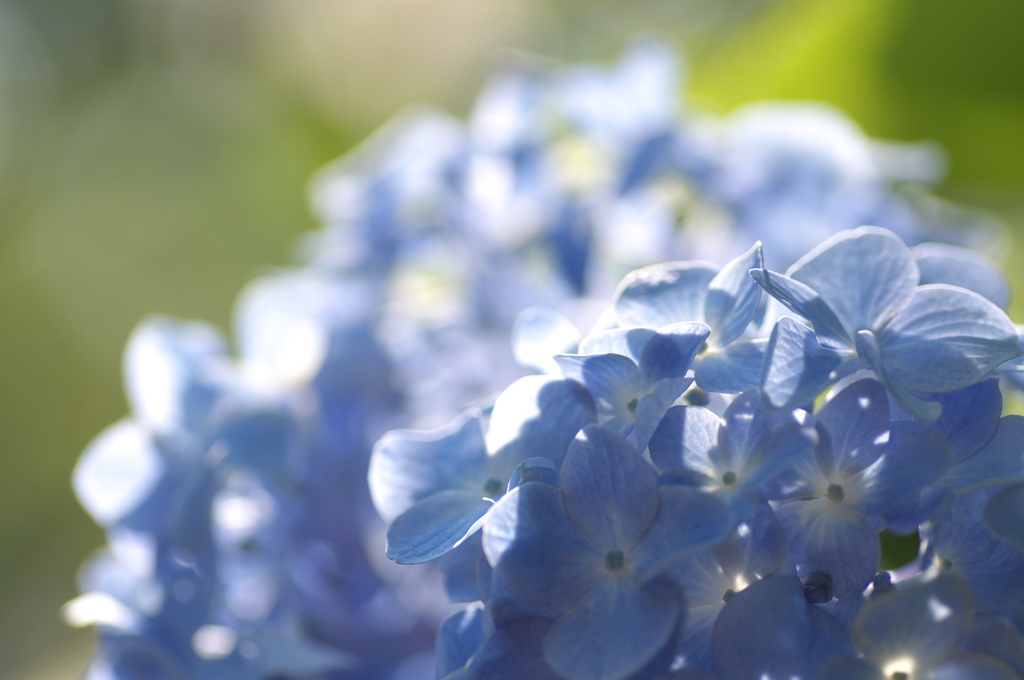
[[458, 638], [629, 342], [686, 438], [808, 304], [865, 276], [944, 263], [824, 536], [534, 470], [850, 668], [732, 298], [610, 491], [922, 620], [857, 423], [767, 630], [869, 350], [612, 380], [915, 457], [969, 416], [613, 631], [755, 549], [466, 572], [797, 368], [435, 525], [731, 370], [537, 549], [664, 294], [513, 652], [993, 570], [669, 353], [971, 667], [652, 407], [407, 465], [745, 430], [687, 521], [1000, 461], [537, 416], [1004, 515], [996, 639], [946, 338]]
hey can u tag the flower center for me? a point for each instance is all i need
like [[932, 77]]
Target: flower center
[[729, 478], [631, 406], [492, 487], [835, 493], [614, 560]]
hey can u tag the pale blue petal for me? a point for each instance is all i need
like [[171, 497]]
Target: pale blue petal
[[945, 263], [687, 438], [537, 549], [688, 520], [865, 276], [612, 380], [613, 631], [970, 667], [857, 422], [732, 298], [435, 525], [174, 371], [1004, 515], [797, 368], [920, 619], [119, 469], [539, 334], [629, 342], [808, 304], [994, 638], [946, 338], [408, 465], [536, 416], [731, 370], [610, 491], [664, 294], [824, 536], [652, 407], [669, 353]]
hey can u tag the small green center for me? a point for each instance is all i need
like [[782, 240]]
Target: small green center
[[492, 487], [614, 560], [698, 397], [631, 406], [899, 675], [835, 493], [729, 478], [944, 564], [727, 595]]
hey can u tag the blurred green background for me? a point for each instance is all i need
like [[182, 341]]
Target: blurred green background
[[154, 156]]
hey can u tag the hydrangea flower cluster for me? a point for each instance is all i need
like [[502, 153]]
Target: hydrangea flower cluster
[[242, 539], [653, 518]]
